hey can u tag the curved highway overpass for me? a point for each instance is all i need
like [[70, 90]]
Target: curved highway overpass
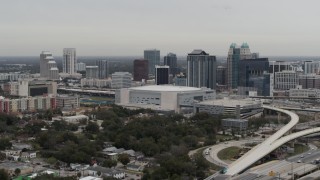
[[270, 144]]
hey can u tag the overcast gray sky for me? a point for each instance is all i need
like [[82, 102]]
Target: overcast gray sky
[[127, 27]]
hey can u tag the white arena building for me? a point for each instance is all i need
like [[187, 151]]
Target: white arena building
[[163, 97]]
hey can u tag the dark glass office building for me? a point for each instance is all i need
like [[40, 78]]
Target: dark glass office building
[[162, 75], [103, 71], [140, 69], [255, 73], [171, 60]]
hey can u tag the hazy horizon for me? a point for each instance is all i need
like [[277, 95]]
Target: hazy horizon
[[126, 28]]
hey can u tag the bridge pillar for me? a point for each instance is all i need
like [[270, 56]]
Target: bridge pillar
[[316, 116], [279, 117]]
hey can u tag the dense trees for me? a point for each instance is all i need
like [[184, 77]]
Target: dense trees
[[67, 147], [92, 128], [17, 171], [109, 163], [4, 175], [167, 138], [8, 123], [5, 143], [124, 158]]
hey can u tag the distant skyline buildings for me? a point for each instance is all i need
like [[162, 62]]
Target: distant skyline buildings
[[69, 61], [171, 60], [81, 66], [103, 69], [235, 54], [153, 57], [140, 69], [162, 75], [92, 72], [201, 69], [48, 66]]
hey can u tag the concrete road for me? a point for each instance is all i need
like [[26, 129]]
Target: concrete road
[[214, 150]]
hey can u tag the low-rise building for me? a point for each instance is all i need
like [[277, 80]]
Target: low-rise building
[[28, 155], [98, 83], [304, 93], [239, 124], [66, 102], [105, 172], [237, 107]]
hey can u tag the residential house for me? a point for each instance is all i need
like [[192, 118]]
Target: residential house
[[105, 172]]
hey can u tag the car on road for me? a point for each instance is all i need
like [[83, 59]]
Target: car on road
[[309, 153], [299, 161], [302, 156]]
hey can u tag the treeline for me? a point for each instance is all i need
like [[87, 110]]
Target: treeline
[[167, 138]]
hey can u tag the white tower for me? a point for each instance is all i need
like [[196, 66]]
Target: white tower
[[69, 61]]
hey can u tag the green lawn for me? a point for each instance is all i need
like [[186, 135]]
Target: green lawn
[[229, 153], [223, 137]]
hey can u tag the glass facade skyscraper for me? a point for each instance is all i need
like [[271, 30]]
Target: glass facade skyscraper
[[153, 57], [171, 60], [201, 69]]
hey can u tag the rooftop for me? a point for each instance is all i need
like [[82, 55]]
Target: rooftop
[[104, 170], [235, 120], [244, 45], [230, 102], [165, 88], [49, 57], [198, 52], [90, 178]]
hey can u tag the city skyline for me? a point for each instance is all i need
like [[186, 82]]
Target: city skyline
[[126, 28]]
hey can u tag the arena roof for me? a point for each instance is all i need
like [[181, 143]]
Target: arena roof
[[166, 88]]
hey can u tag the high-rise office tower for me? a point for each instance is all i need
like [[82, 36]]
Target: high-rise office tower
[[221, 75], [162, 75], [140, 69], [103, 71], [236, 54], [91, 72], [311, 67], [171, 60], [201, 69], [45, 57], [53, 71], [69, 61], [153, 57], [48, 67], [81, 66], [254, 73], [121, 80]]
